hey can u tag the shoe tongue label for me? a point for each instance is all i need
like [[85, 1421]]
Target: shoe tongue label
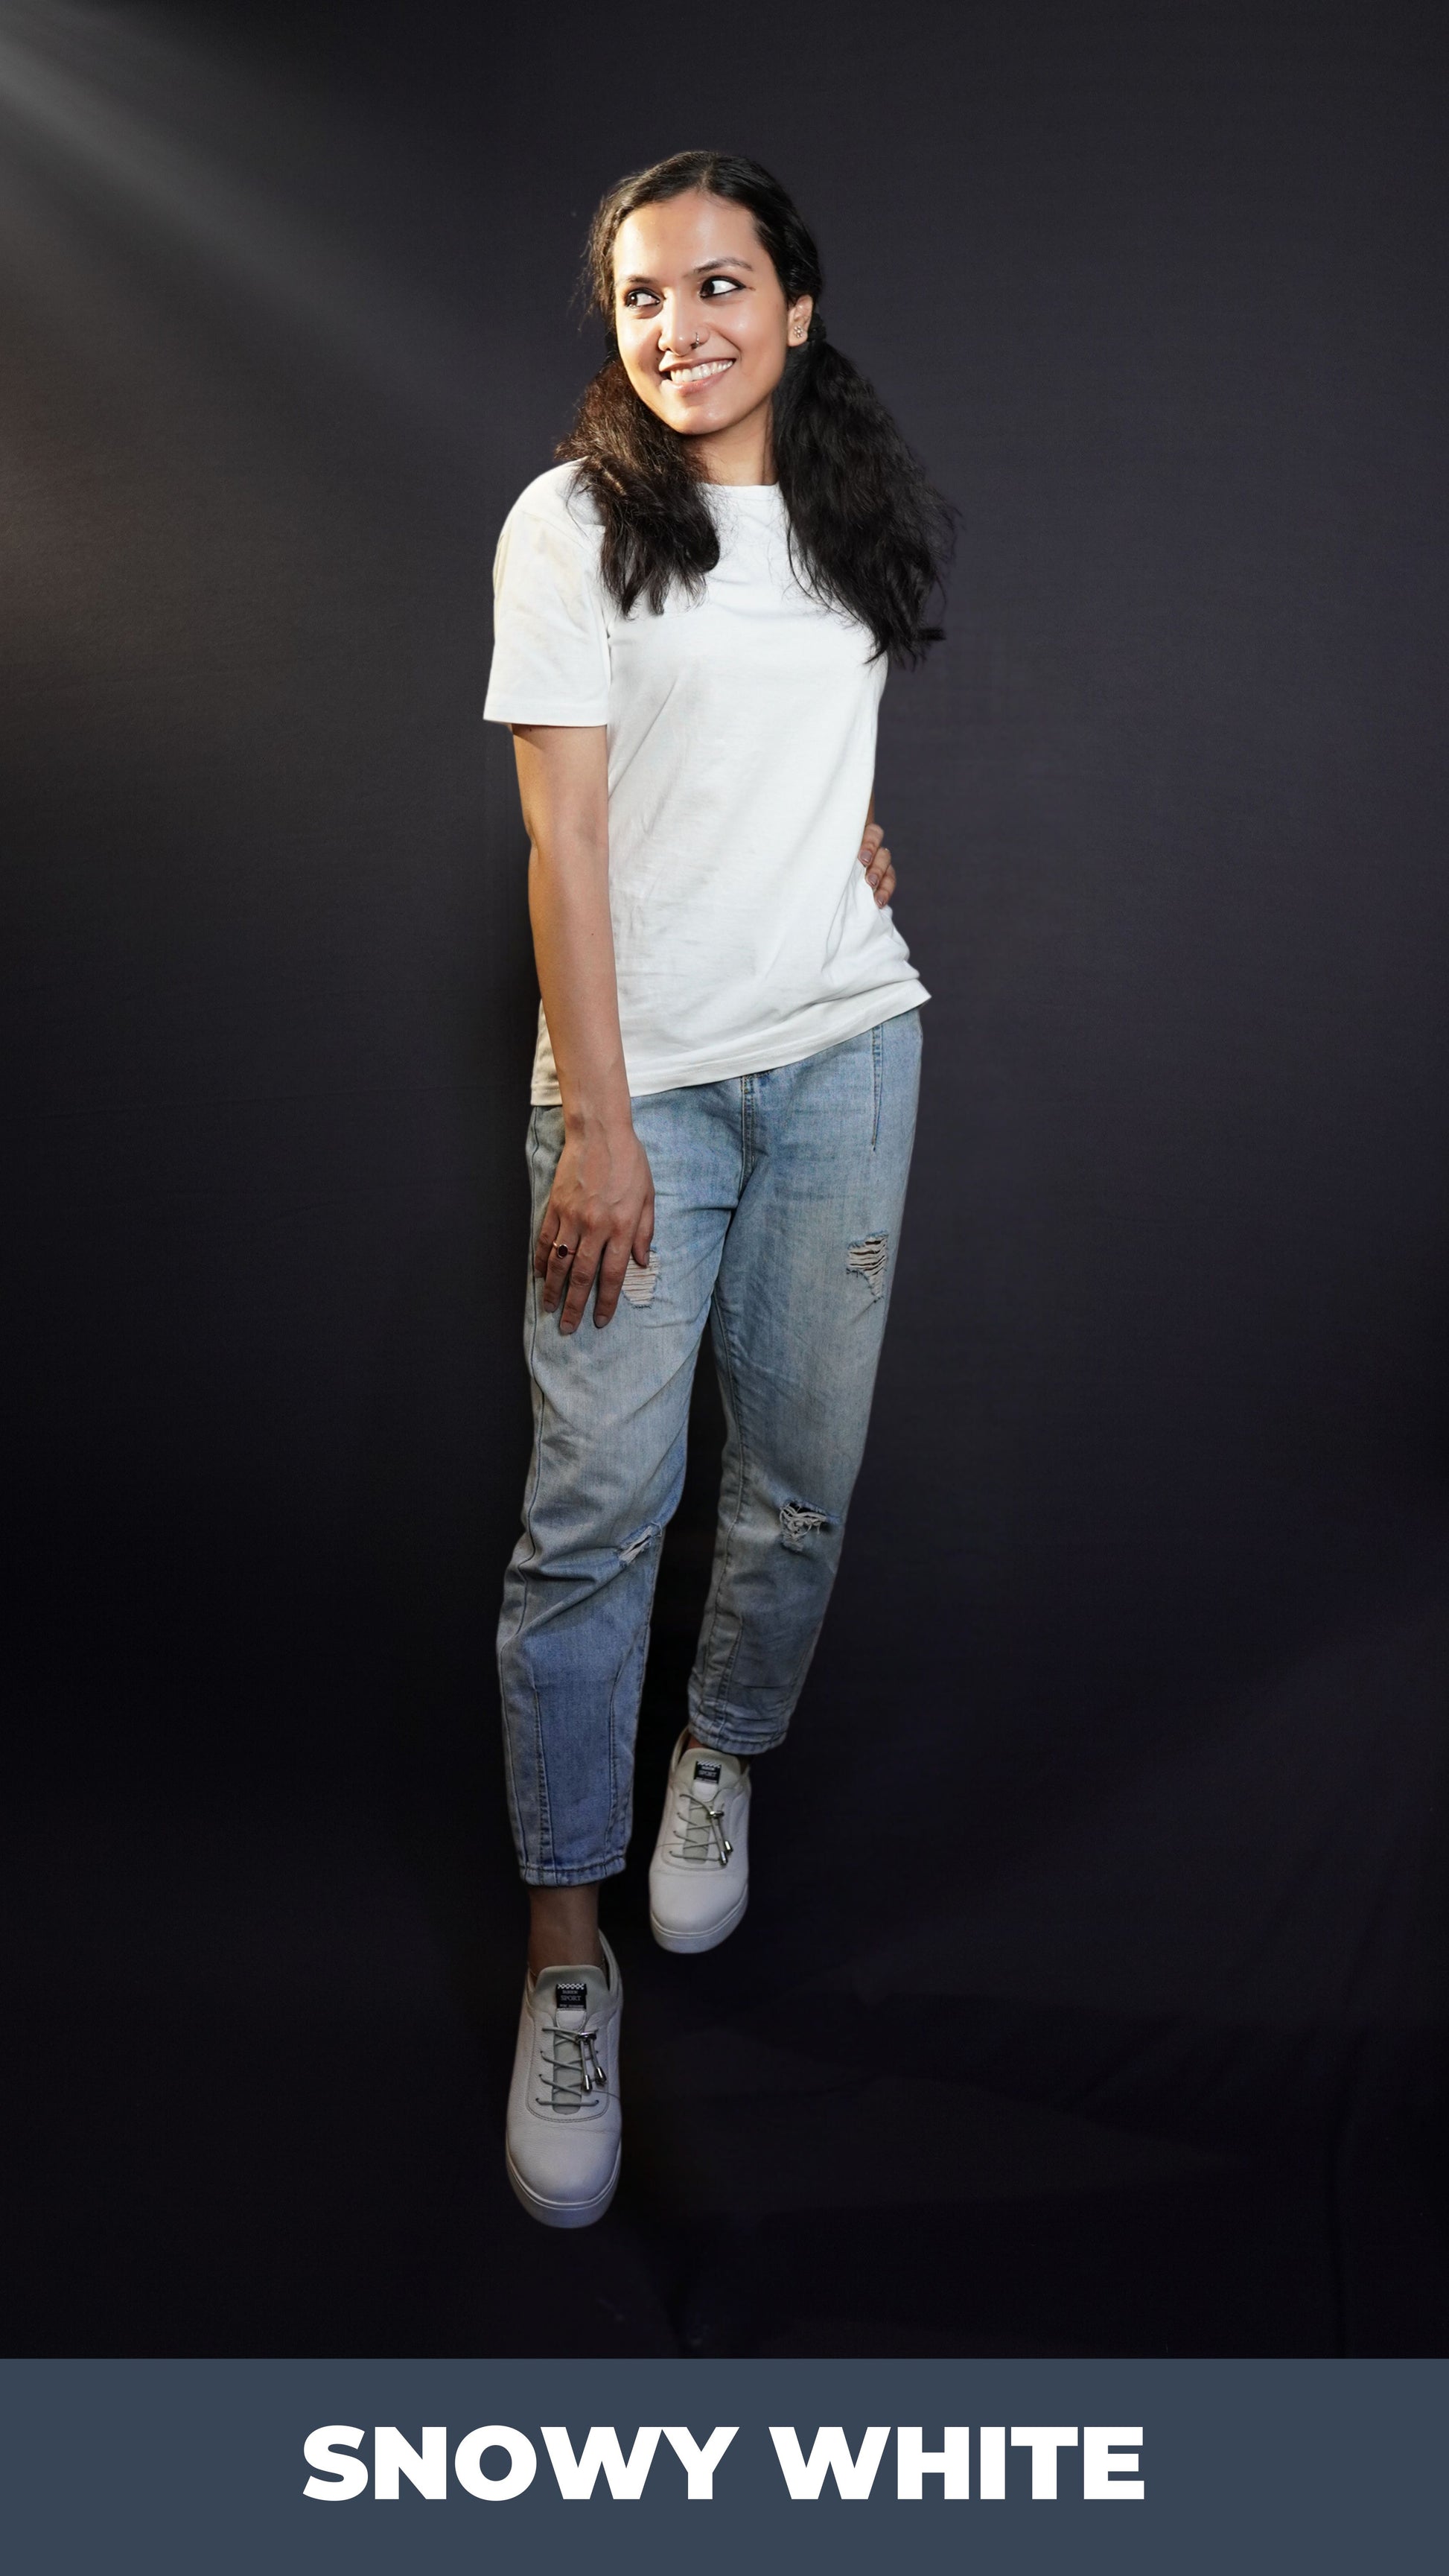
[[570, 1998], [706, 1770]]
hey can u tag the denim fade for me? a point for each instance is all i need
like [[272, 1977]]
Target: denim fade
[[778, 1200]]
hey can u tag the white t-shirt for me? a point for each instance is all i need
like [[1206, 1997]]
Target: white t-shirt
[[741, 741]]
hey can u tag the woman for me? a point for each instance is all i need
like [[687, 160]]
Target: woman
[[694, 614]]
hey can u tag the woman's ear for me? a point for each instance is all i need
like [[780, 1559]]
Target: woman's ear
[[797, 320]]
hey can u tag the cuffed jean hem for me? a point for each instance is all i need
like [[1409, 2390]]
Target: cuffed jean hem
[[721, 1734], [589, 1874]]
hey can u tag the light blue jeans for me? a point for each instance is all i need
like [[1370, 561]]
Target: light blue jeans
[[778, 1211]]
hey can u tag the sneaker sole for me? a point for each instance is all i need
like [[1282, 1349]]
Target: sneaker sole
[[692, 1942], [563, 2213]]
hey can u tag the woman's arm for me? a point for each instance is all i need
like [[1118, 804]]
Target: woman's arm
[[602, 1200]]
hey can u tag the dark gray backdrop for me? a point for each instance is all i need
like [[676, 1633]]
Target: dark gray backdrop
[[1093, 1995]]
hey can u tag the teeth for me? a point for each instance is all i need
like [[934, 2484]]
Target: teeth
[[694, 375]]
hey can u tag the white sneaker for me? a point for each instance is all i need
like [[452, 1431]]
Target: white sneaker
[[565, 2127], [699, 1878]]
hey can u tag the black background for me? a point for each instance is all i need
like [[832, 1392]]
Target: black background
[[1092, 1997]]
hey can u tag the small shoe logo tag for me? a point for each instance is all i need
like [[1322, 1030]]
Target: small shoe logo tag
[[706, 1770], [571, 1998]]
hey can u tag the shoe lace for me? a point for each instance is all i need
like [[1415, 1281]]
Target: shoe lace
[[574, 2069], [700, 1828]]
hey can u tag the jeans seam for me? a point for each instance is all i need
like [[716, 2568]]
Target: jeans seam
[[877, 1055], [531, 1495], [545, 1819], [529, 1499], [706, 1643], [657, 1553]]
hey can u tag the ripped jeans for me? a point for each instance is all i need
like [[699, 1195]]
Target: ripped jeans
[[778, 1202]]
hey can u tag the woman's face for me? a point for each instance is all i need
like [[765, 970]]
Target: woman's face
[[699, 313]]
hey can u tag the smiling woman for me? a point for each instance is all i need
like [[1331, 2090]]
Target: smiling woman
[[694, 615]]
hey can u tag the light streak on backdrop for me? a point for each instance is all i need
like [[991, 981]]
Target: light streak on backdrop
[[106, 111]]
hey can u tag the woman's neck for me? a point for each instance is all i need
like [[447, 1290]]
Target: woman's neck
[[743, 453]]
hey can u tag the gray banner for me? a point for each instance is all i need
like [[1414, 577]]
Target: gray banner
[[192, 2465]]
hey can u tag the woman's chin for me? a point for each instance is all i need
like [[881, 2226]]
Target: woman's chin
[[698, 419], [690, 409]]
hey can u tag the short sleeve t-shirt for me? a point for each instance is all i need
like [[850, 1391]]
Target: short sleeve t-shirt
[[741, 747]]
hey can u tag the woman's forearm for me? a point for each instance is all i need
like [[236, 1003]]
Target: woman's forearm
[[573, 947], [563, 785]]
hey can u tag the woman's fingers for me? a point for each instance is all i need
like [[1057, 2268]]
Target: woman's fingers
[[613, 1263], [643, 1243], [561, 1233], [570, 1270], [552, 1263], [583, 1269], [599, 1262], [875, 858]]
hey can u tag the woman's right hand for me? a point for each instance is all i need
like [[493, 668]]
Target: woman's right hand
[[601, 1211]]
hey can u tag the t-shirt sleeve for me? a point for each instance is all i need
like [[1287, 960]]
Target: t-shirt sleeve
[[550, 640]]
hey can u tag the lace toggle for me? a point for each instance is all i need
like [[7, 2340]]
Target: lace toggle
[[574, 2069], [701, 1829]]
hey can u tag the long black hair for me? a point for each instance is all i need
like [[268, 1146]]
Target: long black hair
[[868, 533]]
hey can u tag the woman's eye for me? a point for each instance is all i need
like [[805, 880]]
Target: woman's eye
[[637, 297], [713, 287]]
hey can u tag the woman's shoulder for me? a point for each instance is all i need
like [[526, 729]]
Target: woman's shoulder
[[557, 503]]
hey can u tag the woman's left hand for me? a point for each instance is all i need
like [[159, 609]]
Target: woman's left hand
[[879, 866]]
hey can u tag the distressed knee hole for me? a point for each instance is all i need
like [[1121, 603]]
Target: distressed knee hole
[[797, 1520], [868, 1259], [633, 1547], [639, 1285]]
